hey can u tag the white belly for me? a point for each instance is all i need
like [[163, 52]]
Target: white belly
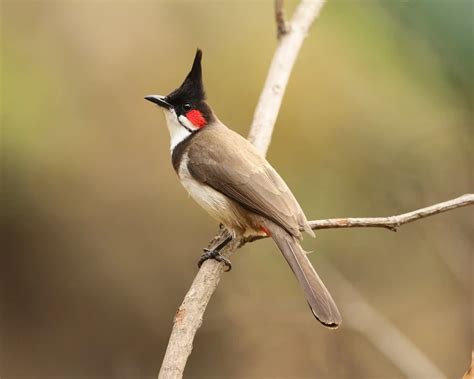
[[216, 204], [211, 200]]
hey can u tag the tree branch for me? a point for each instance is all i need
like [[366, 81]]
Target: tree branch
[[393, 222], [282, 64]]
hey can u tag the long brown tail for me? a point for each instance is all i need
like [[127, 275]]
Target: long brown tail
[[319, 299]]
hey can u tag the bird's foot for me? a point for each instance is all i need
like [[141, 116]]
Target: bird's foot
[[212, 254]]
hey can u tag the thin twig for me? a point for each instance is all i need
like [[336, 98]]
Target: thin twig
[[189, 317], [393, 222]]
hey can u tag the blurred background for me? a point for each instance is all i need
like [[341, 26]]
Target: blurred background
[[100, 241]]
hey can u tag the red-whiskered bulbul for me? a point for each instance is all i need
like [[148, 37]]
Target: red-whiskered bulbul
[[236, 185]]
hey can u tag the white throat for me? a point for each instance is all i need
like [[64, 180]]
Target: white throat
[[177, 132]]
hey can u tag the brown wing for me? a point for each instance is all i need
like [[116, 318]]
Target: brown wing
[[232, 166]]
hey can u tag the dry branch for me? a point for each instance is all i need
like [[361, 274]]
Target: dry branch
[[393, 222], [279, 72], [189, 316]]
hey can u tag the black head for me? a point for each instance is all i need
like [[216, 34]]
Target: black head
[[189, 99]]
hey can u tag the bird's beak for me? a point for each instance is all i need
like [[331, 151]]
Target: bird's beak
[[159, 100]]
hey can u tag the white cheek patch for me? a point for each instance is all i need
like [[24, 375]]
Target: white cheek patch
[[184, 120], [177, 132]]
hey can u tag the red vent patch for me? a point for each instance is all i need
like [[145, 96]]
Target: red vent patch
[[265, 230], [196, 118]]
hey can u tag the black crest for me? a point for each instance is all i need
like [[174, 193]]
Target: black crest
[[192, 89]]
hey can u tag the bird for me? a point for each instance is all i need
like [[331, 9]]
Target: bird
[[228, 177]]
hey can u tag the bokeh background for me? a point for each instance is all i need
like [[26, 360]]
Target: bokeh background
[[100, 240]]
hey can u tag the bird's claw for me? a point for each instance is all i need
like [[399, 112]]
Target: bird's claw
[[211, 254]]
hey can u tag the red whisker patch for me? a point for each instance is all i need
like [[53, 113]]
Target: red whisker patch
[[196, 118]]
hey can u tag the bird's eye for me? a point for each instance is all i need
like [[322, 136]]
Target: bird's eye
[[187, 107]]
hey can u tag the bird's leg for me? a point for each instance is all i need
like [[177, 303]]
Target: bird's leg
[[214, 253]]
